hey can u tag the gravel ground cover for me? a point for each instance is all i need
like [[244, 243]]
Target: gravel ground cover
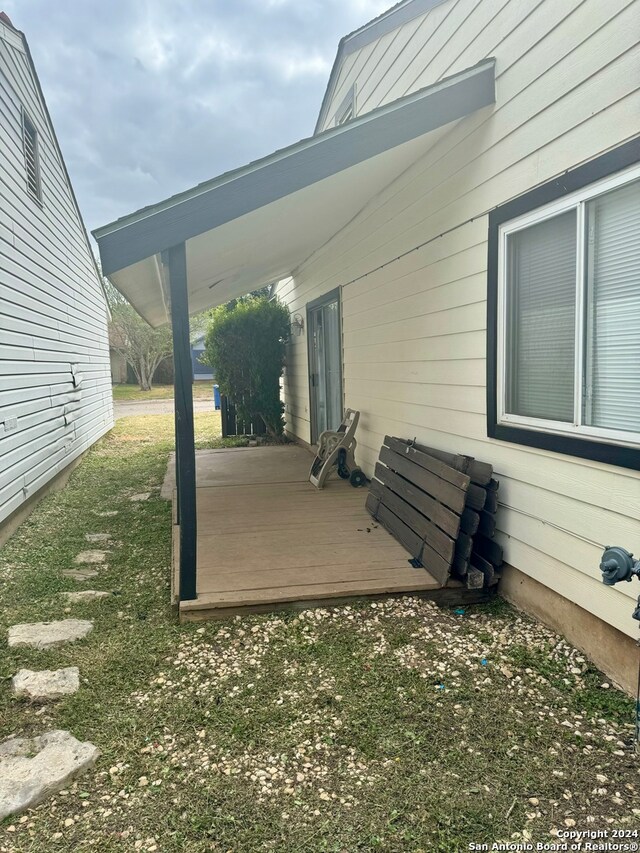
[[382, 726]]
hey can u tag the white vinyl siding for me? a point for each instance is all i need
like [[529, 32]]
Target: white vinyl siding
[[53, 316], [414, 329], [31, 156]]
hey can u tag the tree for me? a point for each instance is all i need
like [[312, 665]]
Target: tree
[[199, 323], [245, 344], [142, 346]]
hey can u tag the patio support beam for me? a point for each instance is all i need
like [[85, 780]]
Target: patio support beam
[[183, 394]]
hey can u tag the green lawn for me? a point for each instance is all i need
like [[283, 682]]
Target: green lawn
[[378, 727], [132, 393]]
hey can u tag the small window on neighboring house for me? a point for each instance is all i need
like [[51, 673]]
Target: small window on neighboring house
[[31, 156], [567, 322]]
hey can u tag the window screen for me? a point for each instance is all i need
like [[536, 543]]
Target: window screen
[[563, 321], [612, 326], [540, 320]]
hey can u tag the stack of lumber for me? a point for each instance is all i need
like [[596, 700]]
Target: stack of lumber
[[441, 507], [481, 567]]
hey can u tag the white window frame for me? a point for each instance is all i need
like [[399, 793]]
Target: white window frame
[[575, 201]]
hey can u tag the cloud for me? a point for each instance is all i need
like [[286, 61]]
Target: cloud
[[150, 97]]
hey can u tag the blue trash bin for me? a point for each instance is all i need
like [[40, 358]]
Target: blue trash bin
[[216, 397]]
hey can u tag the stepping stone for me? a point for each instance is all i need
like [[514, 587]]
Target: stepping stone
[[32, 769], [81, 574], [85, 595], [47, 635], [46, 685], [107, 513], [143, 496], [91, 557], [98, 537]]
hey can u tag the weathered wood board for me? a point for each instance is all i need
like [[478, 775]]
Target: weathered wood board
[[422, 501], [441, 507]]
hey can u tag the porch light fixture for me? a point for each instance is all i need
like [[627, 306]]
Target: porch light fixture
[[297, 325]]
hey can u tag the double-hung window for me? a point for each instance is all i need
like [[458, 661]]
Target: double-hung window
[[566, 324]]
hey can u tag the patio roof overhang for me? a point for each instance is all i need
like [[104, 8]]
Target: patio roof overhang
[[259, 223]]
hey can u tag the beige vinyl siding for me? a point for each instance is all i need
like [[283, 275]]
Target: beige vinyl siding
[[369, 66], [414, 331], [53, 316], [459, 33]]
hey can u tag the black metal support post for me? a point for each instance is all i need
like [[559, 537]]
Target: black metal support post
[[185, 449], [177, 456]]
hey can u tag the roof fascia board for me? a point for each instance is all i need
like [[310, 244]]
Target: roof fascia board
[[231, 196], [374, 30], [388, 22], [12, 36]]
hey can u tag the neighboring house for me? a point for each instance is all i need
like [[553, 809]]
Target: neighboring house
[[459, 247], [119, 367], [200, 371], [55, 394]]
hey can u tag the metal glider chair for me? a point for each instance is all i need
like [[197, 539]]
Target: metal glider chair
[[338, 449]]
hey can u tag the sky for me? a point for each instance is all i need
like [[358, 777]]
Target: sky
[[149, 97]]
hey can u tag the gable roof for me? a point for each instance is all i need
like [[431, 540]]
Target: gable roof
[[388, 21]]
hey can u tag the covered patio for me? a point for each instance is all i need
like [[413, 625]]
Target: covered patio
[[267, 539], [249, 534]]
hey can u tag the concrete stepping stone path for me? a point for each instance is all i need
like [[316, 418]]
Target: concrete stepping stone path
[[47, 635], [32, 769], [97, 537], [47, 685], [81, 574], [91, 557], [85, 595], [143, 496]]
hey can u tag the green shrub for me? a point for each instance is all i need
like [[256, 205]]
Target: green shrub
[[245, 345]]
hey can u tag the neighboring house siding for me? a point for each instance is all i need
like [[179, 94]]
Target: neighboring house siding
[[200, 370], [53, 316], [119, 368], [414, 332]]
